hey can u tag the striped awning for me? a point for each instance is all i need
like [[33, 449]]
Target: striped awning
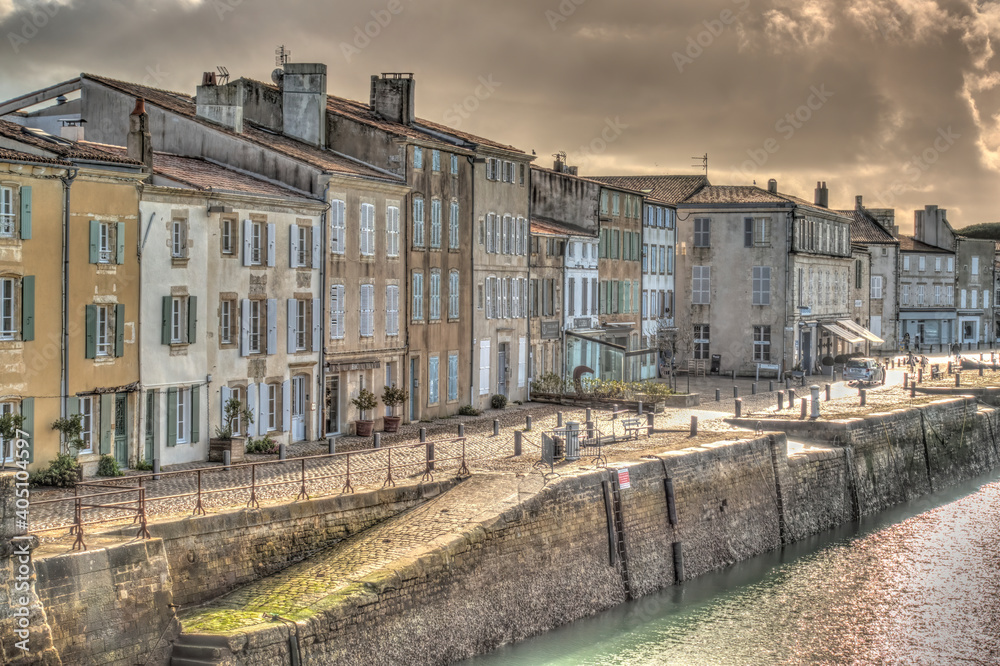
[[857, 328], [843, 333]]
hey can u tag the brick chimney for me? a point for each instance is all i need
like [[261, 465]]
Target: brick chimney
[[303, 102], [392, 97], [140, 142], [822, 195]]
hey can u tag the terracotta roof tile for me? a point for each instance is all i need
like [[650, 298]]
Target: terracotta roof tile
[[548, 227], [662, 189], [734, 194], [865, 229], [6, 154], [911, 244], [64, 148]]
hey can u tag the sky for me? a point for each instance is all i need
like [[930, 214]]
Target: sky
[[894, 100]]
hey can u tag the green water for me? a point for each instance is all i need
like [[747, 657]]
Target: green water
[[919, 584]]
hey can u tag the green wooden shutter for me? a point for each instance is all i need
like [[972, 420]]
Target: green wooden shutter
[[91, 326], [28, 307], [28, 412], [26, 212], [119, 330], [120, 237], [195, 413], [107, 419], [95, 242], [165, 323], [192, 319], [171, 417]]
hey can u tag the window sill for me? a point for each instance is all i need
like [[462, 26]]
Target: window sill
[[104, 360], [179, 262], [11, 345]]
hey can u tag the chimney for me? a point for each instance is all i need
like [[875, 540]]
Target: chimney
[[303, 102], [772, 186], [72, 129], [140, 143], [208, 79], [222, 105], [559, 166], [573, 171], [392, 97], [822, 195]]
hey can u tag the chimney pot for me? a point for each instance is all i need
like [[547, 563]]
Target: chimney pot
[[822, 198], [857, 201], [139, 144], [772, 186], [140, 106]]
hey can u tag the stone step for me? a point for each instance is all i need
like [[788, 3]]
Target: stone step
[[199, 650]]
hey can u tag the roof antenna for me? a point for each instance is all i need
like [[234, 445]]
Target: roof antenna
[[703, 163], [281, 56], [223, 75]]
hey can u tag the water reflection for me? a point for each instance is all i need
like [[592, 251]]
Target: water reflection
[[916, 585]]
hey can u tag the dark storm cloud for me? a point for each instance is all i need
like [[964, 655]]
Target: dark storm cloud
[[893, 99]]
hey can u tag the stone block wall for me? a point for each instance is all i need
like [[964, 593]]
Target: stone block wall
[[818, 492], [110, 606]]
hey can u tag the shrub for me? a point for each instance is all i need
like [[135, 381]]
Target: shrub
[[468, 410], [365, 402], [264, 445], [71, 428], [827, 360], [234, 410], [62, 472], [548, 383], [144, 466], [392, 396], [498, 401], [108, 466]]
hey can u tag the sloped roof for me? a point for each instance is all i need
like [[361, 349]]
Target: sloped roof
[[911, 244], [201, 174], [64, 148], [185, 105], [734, 194], [545, 226], [7, 154], [585, 179], [865, 229], [663, 189]]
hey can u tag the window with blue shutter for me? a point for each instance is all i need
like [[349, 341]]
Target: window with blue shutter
[[26, 212], [28, 307], [418, 221], [119, 330], [433, 377], [418, 157], [452, 377]]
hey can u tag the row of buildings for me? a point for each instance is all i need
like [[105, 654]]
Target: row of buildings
[[288, 247]]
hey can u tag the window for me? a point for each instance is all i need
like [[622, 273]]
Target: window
[[236, 393], [272, 407], [975, 298], [87, 424], [435, 160], [178, 332], [937, 264], [453, 239], [667, 259], [615, 243], [452, 377], [645, 258], [975, 267], [702, 232], [392, 310], [8, 308], [367, 310], [922, 263], [104, 246], [7, 219], [256, 242], [920, 294], [951, 264], [298, 316], [337, 307], [367, 239], [937, 295], [178, 238], [906, 263], [418, 296], [418, 157], [615, 204], [876, 286], [418, 222], [762, 344], [435, 313], [105, 333], [453, 295], [227, 235], [906, 294], [522, 175], [701, 342], [858, 273], [338, 228], [701, 285], [604, 202], [181, 411], [226, 321], [433, 377], [454, 165], [254, 322], [392, 231], [435, 223]]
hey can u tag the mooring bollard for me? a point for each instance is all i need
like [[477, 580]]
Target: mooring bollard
[[828, 393], [781, 400], [980, 371], [694, 426], [736, 391], [920, 375], [814, 389], [770, 387], [718, 395], [377, 440], [282, 454], [559, 418], [913, 389], [739, 407], [864, 396], [639, 409], [958, 379], [791, 398], [496, 427], [949, 367], [734, 375], [461, 429], [753, 388], [430, 456], [590, 430], [906, 379], [614, 413], [589, 417], [803, 380], [423, 435], [804, 407], [156, 465], [517, 442], [331, 445]]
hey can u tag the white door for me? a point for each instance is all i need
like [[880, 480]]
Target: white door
[[298, 408]]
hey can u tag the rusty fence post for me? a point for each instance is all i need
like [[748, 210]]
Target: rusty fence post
[[302, 492], [348, 488], [199, 509]]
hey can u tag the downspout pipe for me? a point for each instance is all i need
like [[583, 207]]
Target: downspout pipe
[[473, 359], [321, 391], [67, 181]]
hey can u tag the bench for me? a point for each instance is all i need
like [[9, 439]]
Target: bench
[[634, 426]]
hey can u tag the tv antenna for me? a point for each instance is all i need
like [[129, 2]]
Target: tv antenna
[[223, 75], [702, 163], [281, 56]]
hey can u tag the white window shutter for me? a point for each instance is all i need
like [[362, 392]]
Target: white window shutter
[[247, 242], [245, 327], [252, 406], [262, 407], [292, 312], [272, 326], [270, 245], [286, 405], [225, 393], [522, 362], [317, 325], [293, 246], [484, 367], [317, 246]]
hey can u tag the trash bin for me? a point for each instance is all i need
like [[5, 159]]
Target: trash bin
[[716, 364]]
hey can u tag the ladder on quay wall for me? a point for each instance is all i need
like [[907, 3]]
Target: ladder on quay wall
[[620, 545]]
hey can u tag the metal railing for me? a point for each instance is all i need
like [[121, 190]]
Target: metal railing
[[396, 462]]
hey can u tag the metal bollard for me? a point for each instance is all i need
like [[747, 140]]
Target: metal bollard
[[694, 426], [156, 465], [649, 421], [781, 400], [718, 395], [804, 407], [803, 380], [739, 407], [517, 442], [559, 418], [753, 389], [788, 383], [958, 379], [949, 367], [734, 375], [770, 387], [496, 427], [814, 389], [377, 440], [589, 418], [640, 408], [331, 445], [828, 393], [906, 379], [423, 435], [527, 422], [461, 429], [736, 391], [614, 413], [430, 456], [920, 375], [791, 398], [282, 453], [913, 389], [590, 430], [864, 396], [980, 371]]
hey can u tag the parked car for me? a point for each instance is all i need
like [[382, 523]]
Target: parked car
[[864, 371]]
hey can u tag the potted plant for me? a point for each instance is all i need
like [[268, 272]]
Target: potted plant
[[392, 397], [365, 402], [796, 370], [224, 439]]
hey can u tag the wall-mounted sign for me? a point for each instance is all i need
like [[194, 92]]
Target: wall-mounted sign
[[857, 304], [550, 330], [623, 480]]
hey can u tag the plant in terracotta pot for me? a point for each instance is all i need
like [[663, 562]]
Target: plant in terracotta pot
[[365, 402], [392, 397], [224, 440]]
